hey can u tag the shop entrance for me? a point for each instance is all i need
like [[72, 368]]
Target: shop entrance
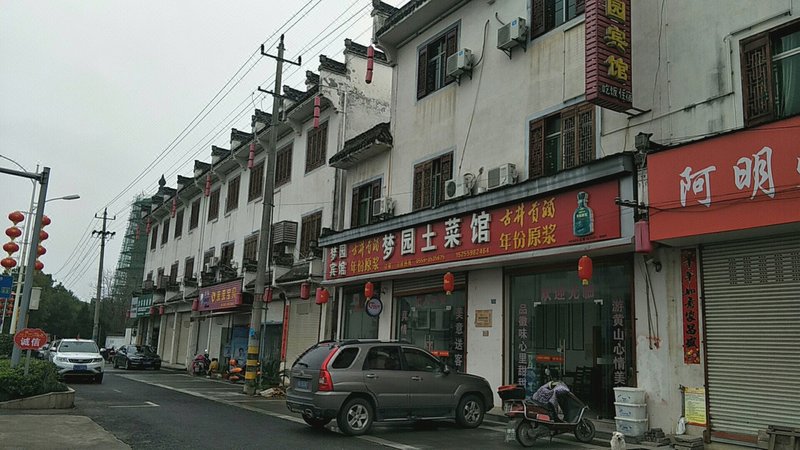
[[435, 321], [563, 330]]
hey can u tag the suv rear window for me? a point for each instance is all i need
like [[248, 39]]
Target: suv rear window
[[345, 358], [314, 356]]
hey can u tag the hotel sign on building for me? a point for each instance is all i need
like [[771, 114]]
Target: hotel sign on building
[[608, 54]]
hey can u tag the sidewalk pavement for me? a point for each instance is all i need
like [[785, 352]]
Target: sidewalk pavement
[[46, 431]]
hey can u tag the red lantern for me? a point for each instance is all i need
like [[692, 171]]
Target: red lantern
[[38, 265], [267, 295], [174, 206], [43, 235], [449, 283], [207, 190], [370, 63], [40, 250], [8, 263], [641, 237], [317, 102], [369, 290], [16, 217], [322, 296], [161, 310], [10, 247], [585, 269], [45, 221], [252, 156], [147, 229], [305, 291], [13, 232], [195, 304]]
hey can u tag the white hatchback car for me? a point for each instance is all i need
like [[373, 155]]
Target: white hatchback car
[[77, 357]]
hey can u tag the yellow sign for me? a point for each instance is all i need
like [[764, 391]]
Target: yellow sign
[[695, 404], [483, 318]]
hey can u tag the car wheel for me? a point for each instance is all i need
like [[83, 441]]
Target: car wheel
[[470, 411], [584, 431], [316, 423], [127, 364], [355, 417], [98, 379]]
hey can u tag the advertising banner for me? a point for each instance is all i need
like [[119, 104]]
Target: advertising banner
[[221, 296]]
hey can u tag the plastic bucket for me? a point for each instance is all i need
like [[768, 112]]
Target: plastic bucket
[[629, 395], [631, 411], [631, 427]]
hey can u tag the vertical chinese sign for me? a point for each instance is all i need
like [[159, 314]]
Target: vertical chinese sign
[[458, 340], [691, 327], [618, 342], [608, 54], [522, 355]]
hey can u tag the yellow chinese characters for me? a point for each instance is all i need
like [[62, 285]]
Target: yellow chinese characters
[[538, 236], [616, 10], [537, 210], [616, 38], [617, 68]]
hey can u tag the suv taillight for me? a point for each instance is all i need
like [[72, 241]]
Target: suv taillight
[[325, 381]]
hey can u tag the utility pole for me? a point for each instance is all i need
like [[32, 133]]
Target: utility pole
[[102, 235], [265, 235]]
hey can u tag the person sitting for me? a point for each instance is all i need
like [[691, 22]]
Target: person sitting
[[547, 396], [213, 368]]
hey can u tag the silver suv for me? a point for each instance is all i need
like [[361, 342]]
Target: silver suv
[[358, 382]]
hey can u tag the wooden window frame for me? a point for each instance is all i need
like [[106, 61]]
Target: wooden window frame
[[543, 14], [283, 165], [154, 237], [165, 231], [179, 223], [310, 229], [188, 268], [374, 189], [226, 253], [250, 249], [173, 272], [316, 146], [255, 187], [428, 82], [213, 205], [576, 145], [232, 197], [194, 215], [429, 180]]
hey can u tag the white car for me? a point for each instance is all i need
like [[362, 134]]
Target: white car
[[77, 357]]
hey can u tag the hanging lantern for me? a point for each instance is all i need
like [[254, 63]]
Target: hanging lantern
[[370, 63], [147, 230], [585, 269], [195, 304], [174, 206], [449, 283], [161, 310], [10, 247], [317, 102], [305, 291], [641, 237], [45, 221], [267, 298], [40, 250], [207, 190], [322, 296], [16, 217], [8, 263], [13, 232], [38, 265], [252, 156], [369, 290], [43, 235]]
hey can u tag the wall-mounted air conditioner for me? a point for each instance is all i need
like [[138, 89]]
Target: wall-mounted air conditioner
[[512, 34], [456, 188], [501, 176], [459, 62], [213, 262], [382, 207]]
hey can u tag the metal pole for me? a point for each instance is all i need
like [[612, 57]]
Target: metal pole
[[26, 235], [27, 362], [96, 328], [44, 178], [265, 236]]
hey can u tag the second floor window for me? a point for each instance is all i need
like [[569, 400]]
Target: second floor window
[[429, 179], [226, 254], [250, 249], [361, 213], [213, 205], [283, 165], [316, 147], [194, 215], [179, 223], [256, 185], [165, 232], [188, 269], [232, 201], [173, 273], [549, 14], [310, 228], [432, 62], [561, 141], [153, 237]]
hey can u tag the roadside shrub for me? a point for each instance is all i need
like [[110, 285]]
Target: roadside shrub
[[42, 378], [6, 345]]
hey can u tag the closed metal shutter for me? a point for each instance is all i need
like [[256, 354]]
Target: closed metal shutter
[[182, 334], [169, 328], [303, 332], [426, 283], [752, 320]]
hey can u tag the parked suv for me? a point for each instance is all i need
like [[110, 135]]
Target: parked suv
[[77, 357], [358, 382]]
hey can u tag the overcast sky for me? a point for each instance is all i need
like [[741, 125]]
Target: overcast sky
[[97, 90]]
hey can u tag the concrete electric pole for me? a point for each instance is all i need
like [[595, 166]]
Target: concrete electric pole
[[102, 235], [265, 235]]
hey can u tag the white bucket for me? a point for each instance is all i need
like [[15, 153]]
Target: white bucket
[[631, 411], [629, 395], [631, 427]]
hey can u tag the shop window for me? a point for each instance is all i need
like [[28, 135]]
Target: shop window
[[581, 334], [419, 361], [383, 358], [432, 62], [232, 201], [561, 141], [436, 322], [771, 75], [357, 324], [283, 166], [256, 184], [178, 223], [194, 215], [213, 205], [250, 249], [165, 232], [361, 213], [153, 237], [310, 228], [345, 358], [549, 14], [429, 179], [316, 146]]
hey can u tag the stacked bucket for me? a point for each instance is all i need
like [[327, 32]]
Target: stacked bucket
[[631, 410]]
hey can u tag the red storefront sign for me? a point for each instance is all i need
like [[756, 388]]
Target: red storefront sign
[[574, 217], [691, 309], [608, 54], [742, 180], [221, 296], [30, 339]]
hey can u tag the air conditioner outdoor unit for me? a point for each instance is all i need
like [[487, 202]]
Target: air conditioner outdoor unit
[[383, 206], [502, 176], [512, 34], [455, 188], [213, 261], [459, 62]]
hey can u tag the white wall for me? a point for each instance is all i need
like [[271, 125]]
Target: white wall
[[484, 352]]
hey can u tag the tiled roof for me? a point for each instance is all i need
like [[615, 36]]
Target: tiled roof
[[358, 49], [378, 133], [332, 65], [400, 14]]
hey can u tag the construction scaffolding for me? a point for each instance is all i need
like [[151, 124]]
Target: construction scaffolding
[[130, 265]]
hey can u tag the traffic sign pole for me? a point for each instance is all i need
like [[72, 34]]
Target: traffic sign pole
[[27, 362]]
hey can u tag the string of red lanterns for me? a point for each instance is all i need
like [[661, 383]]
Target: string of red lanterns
[[317, 103], [12, 247]]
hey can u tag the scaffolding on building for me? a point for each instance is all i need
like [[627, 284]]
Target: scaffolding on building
[[130, 265]]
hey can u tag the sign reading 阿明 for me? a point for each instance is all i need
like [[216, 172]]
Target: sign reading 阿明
[[608, 54], [221, 296]]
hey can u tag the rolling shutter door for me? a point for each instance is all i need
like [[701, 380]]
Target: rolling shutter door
[[426, 283], [169, 329], [304, 318], [184, 325], [752, 320]]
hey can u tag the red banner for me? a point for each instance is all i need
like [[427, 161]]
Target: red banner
[[746, 179], [221, 296], [691, 319], [574, 217], [608, 54]]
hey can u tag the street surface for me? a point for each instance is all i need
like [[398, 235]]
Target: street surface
[[165, 409]]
